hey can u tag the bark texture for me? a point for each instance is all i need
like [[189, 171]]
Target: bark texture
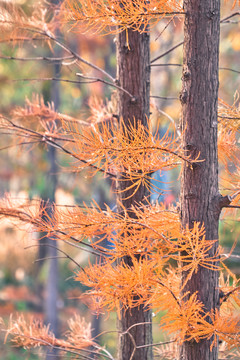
[[133, 74], [200, 199]]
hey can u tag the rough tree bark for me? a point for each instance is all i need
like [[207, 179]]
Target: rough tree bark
[[133, 74], [200, 199]]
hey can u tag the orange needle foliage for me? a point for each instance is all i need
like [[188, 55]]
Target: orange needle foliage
[[154, 236], [149, 235], [16, 26], [106, 146], [111, 16], [32, 333]]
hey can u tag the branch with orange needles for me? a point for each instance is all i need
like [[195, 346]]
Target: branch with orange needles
[[31, 213], [33, 333], [229, 115], [17, 23], [46, 137], [108, 146], [113, 17], [228, 149]]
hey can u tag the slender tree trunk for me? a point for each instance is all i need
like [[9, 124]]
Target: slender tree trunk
[[52, 291], [133, 74], [200, 199]]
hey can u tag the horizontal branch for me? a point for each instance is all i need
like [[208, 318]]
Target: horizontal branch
[[229, 117], [233, 206], [164, 97], [38, 58], [179, 65], [89, 80], [229, 69], [225, 201], [54, 79]]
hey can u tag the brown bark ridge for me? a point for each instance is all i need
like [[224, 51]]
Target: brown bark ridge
[[133, 74], [200, 199]]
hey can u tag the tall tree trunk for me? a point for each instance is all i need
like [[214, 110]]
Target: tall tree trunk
[[200, 199], [133, 74], [52, 291]]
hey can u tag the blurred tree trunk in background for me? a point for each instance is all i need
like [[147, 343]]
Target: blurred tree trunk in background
[[51, 288]]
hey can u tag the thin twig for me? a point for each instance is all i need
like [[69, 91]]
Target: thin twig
[[167, 52], [54, 79], [102, 253], [226, 296], [164, 97], [228, 69], [179, 65], [230, 16], [38, 58], [54, 247], [233, 206], [94, 79], [72, 52], [231, 256], [157, 344]]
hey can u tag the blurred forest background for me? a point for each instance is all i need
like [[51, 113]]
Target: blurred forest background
[[38, 172]]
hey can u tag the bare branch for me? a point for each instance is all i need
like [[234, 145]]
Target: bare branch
[[60, 250], [178, 65], [226, 296], [229, 69], [38, 58], [164, 97], [73, 53], [54, 79], [94, 79], [167, 52], [229, 17]]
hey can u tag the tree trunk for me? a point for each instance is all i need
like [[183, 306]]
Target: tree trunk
[[200, 199], [133, 74], [52, 291]]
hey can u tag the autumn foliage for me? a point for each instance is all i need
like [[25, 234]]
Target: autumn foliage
[[149, 234]]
